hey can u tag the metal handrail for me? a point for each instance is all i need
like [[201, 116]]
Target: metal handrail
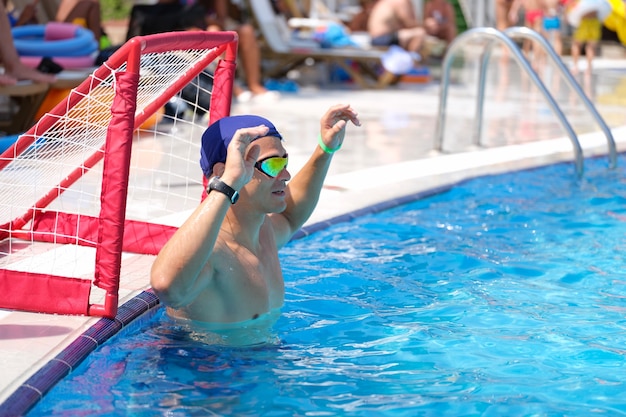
[[496, 35], [526, 33]]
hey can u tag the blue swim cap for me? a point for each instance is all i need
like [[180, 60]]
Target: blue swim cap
[[218, 135]]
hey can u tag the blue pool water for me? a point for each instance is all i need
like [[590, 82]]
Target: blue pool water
[[503, 296]]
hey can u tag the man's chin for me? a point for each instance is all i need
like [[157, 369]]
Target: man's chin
[[278, 210]]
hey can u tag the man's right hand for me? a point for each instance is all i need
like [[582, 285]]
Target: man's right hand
[[241, 157]]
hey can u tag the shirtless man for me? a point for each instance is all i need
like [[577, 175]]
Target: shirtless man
[[222, 266], [393, 22]]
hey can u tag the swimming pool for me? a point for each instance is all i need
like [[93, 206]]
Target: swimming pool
[[501, 296]]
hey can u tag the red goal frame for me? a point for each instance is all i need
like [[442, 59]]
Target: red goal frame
[[111, 232]]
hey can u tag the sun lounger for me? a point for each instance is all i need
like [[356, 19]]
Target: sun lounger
[[279, 43]]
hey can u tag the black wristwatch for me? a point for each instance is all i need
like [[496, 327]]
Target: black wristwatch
[[218, 185]]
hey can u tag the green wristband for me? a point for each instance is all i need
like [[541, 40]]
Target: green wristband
[[325, 148]]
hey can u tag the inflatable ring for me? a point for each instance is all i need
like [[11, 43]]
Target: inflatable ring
[[50, 40], [601, 7], [67, 62]]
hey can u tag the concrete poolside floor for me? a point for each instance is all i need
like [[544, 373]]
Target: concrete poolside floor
[[393, 154]]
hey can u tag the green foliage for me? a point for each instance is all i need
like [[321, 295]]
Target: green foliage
[[461, 23], [115, 9]]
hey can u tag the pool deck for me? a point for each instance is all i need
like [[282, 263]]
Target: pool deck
[[391, 156]]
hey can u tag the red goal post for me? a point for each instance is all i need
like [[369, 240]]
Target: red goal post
[[65, 184]]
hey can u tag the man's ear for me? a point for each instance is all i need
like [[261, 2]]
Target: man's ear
[[218, 168]]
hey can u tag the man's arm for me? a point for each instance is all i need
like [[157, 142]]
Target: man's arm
[[305, 187], [183, 267], [177, 274]]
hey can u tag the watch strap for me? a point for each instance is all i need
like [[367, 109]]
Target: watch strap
[[220, 186]]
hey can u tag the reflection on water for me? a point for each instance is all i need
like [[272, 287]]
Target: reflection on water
[[259, 331]]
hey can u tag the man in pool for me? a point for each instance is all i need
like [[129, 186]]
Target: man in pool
[[222, 266]]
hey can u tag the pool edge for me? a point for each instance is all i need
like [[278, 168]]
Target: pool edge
[[45, 378]]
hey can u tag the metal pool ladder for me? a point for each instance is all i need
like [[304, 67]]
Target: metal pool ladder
[[505, 38]]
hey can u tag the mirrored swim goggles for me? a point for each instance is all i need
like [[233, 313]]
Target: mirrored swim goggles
[[272, 166]]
